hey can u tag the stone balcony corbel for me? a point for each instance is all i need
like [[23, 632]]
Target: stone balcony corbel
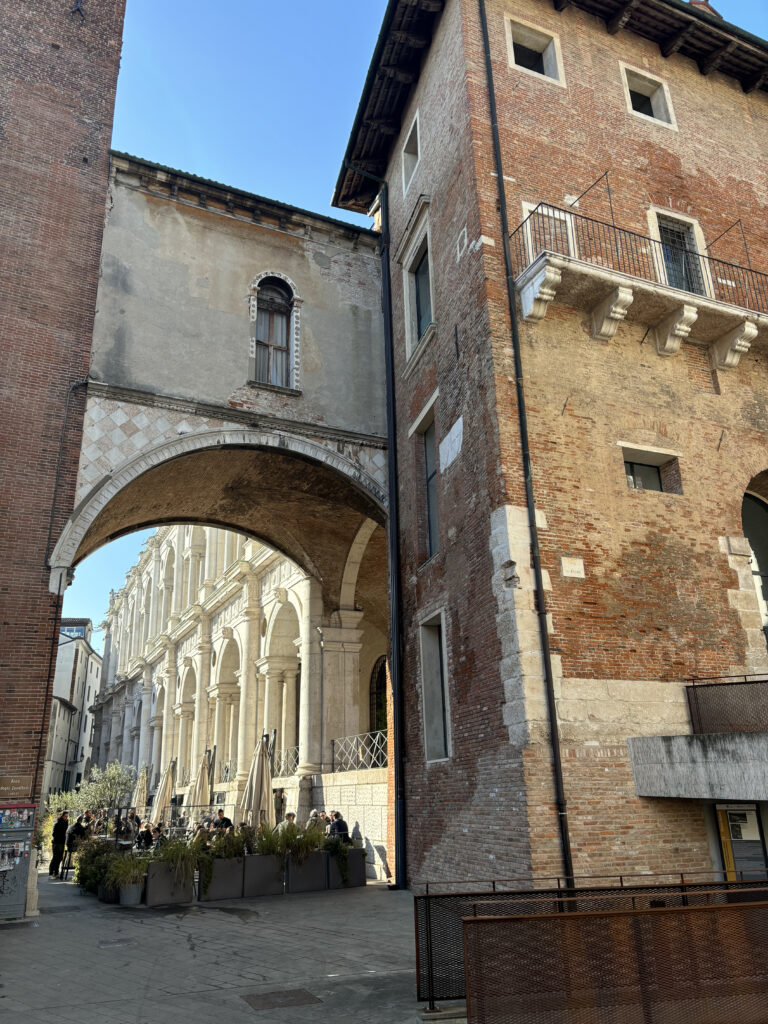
[[732, 345], [607, 316], [538, 286], [672, 331]]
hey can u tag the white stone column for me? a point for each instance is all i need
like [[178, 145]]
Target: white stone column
[[177, 602], [232, 752], [127, 749], [203, 680], [247, 718], [273, 697], [157, 739], [155, 595], [288, 729], [341, 676], [146, 713], [311, 735], [171, 674]]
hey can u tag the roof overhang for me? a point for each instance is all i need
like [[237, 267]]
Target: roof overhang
[[407, 31]]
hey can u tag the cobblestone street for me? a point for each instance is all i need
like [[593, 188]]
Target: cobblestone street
[[342, 956]]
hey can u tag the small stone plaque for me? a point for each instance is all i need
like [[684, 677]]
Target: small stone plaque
[[284, 997], [572, 567]]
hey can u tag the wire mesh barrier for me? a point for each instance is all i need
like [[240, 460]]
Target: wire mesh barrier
[[353, 753], [671, 965], [670, 260], [440, 971], [227, 771], [286, 762], [729, 704]]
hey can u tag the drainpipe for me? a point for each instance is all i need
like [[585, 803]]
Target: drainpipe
[[541, 604], [393, 534]]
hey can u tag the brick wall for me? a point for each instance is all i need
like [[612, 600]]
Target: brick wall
[[57, 83], [663, 592]]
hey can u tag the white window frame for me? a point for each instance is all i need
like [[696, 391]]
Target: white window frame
[[294, 331], [436, 619], [657, 101], [552, 53], [652, 214], [408, 175], [555, 215], [417, 237]]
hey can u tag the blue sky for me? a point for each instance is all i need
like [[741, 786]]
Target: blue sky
[[260, 96]]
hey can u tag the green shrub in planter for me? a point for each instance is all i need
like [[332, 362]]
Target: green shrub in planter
[[181, 859], [224, 845], [93, 861]]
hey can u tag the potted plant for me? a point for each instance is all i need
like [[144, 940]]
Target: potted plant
[[306, 867], [93, 861], [127, 875], [221, 867], [263, 867], [171, 874]]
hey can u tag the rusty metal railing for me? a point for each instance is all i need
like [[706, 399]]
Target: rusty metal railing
[[701, 964]]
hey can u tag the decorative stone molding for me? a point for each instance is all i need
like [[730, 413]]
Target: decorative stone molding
[[729, 348], [281, 595], [537, 292], [607, 316], [227, 632], [295, 327], [674, 329]]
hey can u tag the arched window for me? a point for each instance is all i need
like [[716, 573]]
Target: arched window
[[378, 719], [754, 518], [272, 362]]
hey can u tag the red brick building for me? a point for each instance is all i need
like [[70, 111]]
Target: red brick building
[[58, 71], [577, 206]]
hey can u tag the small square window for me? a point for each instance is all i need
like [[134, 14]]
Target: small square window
[[647, 96], [649, 470], [643, 478], [411, 154], [534, 51]]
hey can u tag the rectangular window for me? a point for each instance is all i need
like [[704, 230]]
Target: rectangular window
[[534, 51], [433, 681], [430, 465], [423, 294], [680, 255], [272, 347], [647, 96], [643, 478], [411, 154]]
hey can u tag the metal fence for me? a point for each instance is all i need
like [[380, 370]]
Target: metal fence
[[553, 229], [438, 916], [353, 753], [227, 771], [286, 762], [672, 965], [728, 704]]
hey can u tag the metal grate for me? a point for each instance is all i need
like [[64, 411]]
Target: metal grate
[[730, 704], [671, 965], [227, 771], [353, 753], [438, 916], [673, 261], [286, 762]]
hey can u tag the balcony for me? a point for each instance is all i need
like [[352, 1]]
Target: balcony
[[616, 275], [725, 758]]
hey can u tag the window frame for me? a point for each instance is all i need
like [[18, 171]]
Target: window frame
[[435, 621], [420, 428], [653, 213], [292, 335], [529, 31], [416, 243], [408, 174], [645, 77], [665, 461]]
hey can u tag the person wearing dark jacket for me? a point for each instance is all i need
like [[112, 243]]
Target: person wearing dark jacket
[[340, 828], [58, 843]]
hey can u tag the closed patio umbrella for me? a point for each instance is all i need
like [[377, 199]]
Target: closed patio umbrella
[[139, 797], [200, 794], [256, 804], [162, 802]]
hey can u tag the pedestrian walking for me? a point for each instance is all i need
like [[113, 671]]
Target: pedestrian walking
[[58, 843]]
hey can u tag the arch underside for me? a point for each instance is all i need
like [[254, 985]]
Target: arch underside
[[301, 508]]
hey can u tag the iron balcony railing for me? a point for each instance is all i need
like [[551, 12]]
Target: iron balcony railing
[[728, 704], [286, 762], [353, 753], [553, 229]]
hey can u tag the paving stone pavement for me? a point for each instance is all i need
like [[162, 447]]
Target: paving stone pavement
[[343, 956]]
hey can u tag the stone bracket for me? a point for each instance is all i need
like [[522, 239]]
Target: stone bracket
[[536, 294], [729, 348], [607, 316], [674, 329]]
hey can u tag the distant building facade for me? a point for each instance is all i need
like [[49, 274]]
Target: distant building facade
[[76, 682], [210, 645]]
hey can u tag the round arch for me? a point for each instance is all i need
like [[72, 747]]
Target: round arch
[[276, 487]]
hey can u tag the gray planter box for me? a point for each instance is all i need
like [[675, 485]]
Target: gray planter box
[[263, 876], [356, 869], [310, 876], [107, 894], [130, 895], [226, 881], [162, 888]]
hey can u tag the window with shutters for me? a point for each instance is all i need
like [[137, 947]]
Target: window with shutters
[[274, 315]]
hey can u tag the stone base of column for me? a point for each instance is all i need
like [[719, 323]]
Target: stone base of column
[[306, 769]]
